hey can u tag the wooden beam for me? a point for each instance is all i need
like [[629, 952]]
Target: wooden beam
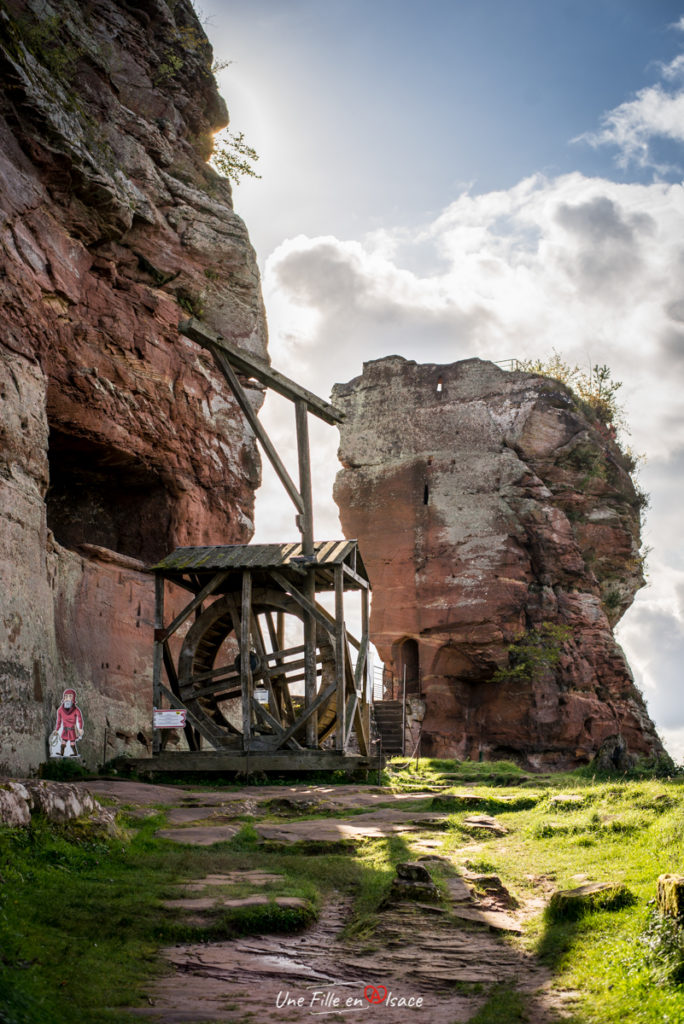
[[215, 689], [246, 362], [313, 707], [172, 676], [305, 524], [225, 761], [286, 652], [158, 653], [340, 645], [359, 680], [276, 726], [227, 671], [360, 730], [319, 614], [350, 709], [264, 675], [236, 387], [193, 719], [364, 584], [245, 667], [205, 592]]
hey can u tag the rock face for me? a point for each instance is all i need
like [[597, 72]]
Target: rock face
[[491, 512], [118, 439]]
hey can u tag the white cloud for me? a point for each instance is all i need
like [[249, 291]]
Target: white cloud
[[586, 266], [655, 113]]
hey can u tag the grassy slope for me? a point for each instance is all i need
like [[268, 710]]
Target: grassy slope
[[81, 919]]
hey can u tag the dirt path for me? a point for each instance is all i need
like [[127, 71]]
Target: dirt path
[[425, 962]]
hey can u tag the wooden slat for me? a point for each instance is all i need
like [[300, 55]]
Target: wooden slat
[[172, 676], [201, 727], [261, 651], [277, 728], [349, 715], [247, 363], [229, 760], [364, 584], [226, 671], [217, 689], [361, 664], [286, 651], [340, 647], [313, 707], [205, 592], [318, 613]]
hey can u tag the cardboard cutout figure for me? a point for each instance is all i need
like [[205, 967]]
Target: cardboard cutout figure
[[68, 727]]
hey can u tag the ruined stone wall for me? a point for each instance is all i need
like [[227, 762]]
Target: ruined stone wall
[[487, 504], [118, 440]]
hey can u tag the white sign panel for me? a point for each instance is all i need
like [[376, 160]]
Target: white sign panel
[[169, 719]]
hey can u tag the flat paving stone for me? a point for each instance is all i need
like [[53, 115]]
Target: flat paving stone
[[494, 919], [458, 890], [420, 954], [485, 822], [218, 903], [232, 878], [375, 824], [200, 835]]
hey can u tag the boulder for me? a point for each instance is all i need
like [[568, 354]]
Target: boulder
[[413, 871], [15, 804], [571, 904], [413, 883], [484, 823], [59, 802]]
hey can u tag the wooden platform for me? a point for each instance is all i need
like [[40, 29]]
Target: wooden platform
[[239, 761]]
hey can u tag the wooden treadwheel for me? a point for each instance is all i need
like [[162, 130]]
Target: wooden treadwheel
[[209, 668]]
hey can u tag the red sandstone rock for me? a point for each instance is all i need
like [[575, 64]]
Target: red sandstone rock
[[117, 435], [483, 510]]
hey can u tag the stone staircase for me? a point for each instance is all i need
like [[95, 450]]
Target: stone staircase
[[388, 722]]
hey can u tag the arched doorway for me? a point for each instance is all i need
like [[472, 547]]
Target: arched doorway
[[407, 661]]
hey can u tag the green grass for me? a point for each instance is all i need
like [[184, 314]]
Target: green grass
[[504, 1006], [82, 918]]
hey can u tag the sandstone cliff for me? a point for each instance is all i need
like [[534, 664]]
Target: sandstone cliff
[[493, 514], [118, 440]]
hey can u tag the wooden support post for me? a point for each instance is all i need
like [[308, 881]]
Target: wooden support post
[[360, 674], [340, 644], [158, 652], [305, 523], [245, 667]]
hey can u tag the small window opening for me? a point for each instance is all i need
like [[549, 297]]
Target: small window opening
[[426, 494]]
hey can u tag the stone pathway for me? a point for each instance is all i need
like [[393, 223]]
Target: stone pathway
[[426, 962]]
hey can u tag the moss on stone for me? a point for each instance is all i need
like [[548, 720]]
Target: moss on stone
[[571, 904], [671, 895]]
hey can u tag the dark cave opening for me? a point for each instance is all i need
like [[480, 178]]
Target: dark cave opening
[[100, 495]]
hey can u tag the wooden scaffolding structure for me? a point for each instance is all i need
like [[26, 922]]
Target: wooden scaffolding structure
[[234, 671]]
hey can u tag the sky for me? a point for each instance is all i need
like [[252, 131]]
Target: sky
[[444, 179]]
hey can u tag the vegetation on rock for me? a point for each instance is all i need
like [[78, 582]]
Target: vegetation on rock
[[233, 157], [537, 651]]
